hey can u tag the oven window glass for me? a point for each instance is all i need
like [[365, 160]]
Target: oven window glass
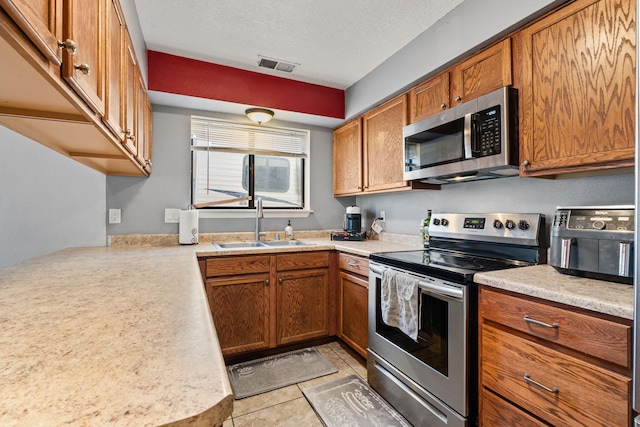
[[444, 144], [431, 347]]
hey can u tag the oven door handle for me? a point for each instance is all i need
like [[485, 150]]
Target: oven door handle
[[443, 290], [375, 270]]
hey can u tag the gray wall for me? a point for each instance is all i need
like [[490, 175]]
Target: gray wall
[[405, 210], [47, 201], [143, 200], [468, 27]]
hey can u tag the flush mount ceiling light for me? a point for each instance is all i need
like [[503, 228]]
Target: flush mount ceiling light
[[259, 115]]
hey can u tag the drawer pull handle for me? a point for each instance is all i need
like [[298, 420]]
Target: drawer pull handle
[[539, 323], [354, 265], [528, 379]]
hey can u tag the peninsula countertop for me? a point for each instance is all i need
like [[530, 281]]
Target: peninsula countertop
[[116, 336]]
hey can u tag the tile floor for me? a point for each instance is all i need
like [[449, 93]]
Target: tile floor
[[287, 407]]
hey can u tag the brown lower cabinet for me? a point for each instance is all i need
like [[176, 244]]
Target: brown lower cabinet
[[547, 364], [353, 285], [263, 301]]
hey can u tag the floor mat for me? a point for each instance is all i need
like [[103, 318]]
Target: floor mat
[[273, 372], [349, 401]]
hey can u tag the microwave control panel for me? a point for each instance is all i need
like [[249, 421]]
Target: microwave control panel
[[487, 141]]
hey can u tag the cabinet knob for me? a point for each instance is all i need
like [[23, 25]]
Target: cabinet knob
[[443, 106], [84, 69], [525, 163], [458, 98], [69, 45], [279, 279], [150, 163], [266, 282], [130, 135]]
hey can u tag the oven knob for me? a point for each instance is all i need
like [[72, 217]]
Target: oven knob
[[510, 224], [445, 222], [497, 223], [599, 225], [523, 224], [436, 221]]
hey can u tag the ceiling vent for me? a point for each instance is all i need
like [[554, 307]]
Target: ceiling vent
[[276, 64]]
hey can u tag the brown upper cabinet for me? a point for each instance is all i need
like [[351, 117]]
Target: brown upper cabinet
[[482, 73], [83, 66], [63, 82], [41, 21], [577, 88], [368, 152]]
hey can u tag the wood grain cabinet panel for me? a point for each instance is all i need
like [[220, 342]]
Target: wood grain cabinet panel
[[553, 366], [429, 98], [347, 158], [353, 311], [84, 23], [601, 338], [384, 146], [577, 394], [496, 412], [41, 20], [227, 266], [578, 88], [302, 304], [240, 307], [482, 73], [114, 96]]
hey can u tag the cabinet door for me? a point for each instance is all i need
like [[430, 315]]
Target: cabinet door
[[578, 88], [84, 24], [353, 312], [145, 147], [384, 146], [347, 159], [428, 98], [131, 85], [302, 301], [240, 308], [143, 125], [113, 114], [482, 73], [41, 21]]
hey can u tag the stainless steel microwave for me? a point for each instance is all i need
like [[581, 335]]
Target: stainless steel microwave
[[474, 140]]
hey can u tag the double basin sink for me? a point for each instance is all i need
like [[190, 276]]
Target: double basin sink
[[271, 244]]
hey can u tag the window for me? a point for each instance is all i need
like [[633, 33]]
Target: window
[[231, 162]]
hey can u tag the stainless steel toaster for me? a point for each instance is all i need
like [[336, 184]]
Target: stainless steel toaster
[[594, 242]]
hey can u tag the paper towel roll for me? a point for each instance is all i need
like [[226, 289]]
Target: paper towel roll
[[188, 227]]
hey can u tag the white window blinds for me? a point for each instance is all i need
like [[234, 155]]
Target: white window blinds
[[221, 135]]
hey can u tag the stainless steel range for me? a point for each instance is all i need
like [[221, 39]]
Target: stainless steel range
[[422, 354]]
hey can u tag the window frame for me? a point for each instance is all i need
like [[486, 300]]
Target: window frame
[[222, 211]]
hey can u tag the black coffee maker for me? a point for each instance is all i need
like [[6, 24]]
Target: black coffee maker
[[352, 226], [353, 220]]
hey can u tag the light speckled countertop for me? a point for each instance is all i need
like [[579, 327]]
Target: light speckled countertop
[[118, 336], [544, 282]]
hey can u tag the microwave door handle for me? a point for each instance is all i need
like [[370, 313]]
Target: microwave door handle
[[623, 260], [469, 134]]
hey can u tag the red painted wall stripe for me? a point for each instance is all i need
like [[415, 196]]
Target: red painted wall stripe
[[191, 77]]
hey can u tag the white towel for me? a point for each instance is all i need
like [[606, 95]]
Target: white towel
[[399, 301]]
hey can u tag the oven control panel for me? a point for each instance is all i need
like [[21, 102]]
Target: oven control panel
[[518, 228]]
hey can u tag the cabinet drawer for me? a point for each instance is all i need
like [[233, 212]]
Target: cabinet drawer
[[497, 412], [302, 260], [597, 337], [586, 395], [225, 266], [353, 263]]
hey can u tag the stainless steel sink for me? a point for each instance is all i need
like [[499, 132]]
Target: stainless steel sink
[[286, 243], [239, 245]]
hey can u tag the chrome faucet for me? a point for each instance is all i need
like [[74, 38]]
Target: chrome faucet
[[259, 214]]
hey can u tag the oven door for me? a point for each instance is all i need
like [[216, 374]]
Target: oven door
[[438, 360]]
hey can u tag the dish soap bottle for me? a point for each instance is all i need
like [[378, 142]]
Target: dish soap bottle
[[288, 231], [424, 230]]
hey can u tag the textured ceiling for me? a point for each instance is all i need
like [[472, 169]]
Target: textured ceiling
[[336, 42]]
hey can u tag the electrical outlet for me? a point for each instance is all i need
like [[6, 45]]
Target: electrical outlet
[[115, 216], [172, 215], [382, 216]]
